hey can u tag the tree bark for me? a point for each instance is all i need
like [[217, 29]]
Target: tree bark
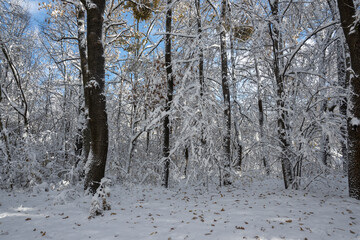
[[226, 94], [3, 132], [343, 62], [84, 140], [261, 121], [282, 130], [351, 29], [95, 166], [201, 50], [236, 121], [169, 98]]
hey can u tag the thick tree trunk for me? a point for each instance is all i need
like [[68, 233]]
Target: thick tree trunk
[[351, 29], [95, 166], [343, 63], [226, 95], [282, 130], [170, 89]]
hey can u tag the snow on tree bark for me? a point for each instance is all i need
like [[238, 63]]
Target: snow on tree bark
[[84, 141], [351, 27], [226, 94], [95, 170], [277, 63], [169, 96]]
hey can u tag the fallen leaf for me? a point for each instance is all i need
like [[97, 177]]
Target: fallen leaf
[[349, 211]]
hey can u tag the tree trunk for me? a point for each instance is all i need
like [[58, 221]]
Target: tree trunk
[[24, 111], [351, 27], [3, 132], [226, 94], [132, 143], [261, 121], [186, 152], [239, 147], [343, 63], [324, 143], [95, 166], [84, 138], [282, 130], [170, 88], [201, 75], [201, 50]]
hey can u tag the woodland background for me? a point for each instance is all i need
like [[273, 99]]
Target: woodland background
[[200, 91]]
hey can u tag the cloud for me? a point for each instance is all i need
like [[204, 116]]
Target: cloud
[[32, 6]]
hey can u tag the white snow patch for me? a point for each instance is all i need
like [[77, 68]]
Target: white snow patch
[[355, 121], [256, 210], [66, 196]]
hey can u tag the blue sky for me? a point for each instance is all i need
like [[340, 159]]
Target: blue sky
[[33, 8]]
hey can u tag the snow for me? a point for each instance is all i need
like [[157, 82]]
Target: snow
[[92, 84], [355, 121], [246, 210]]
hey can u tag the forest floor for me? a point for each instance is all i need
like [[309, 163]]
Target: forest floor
[[245, 210]]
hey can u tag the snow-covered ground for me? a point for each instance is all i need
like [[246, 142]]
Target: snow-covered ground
[[245, 210]]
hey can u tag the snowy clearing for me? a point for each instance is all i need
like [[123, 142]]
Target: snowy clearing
[[245, 210]]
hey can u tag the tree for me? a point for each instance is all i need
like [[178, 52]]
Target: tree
[[169, 96], [95, 165], [83, 140], [225, 84], [349, 15], [278, 65]]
